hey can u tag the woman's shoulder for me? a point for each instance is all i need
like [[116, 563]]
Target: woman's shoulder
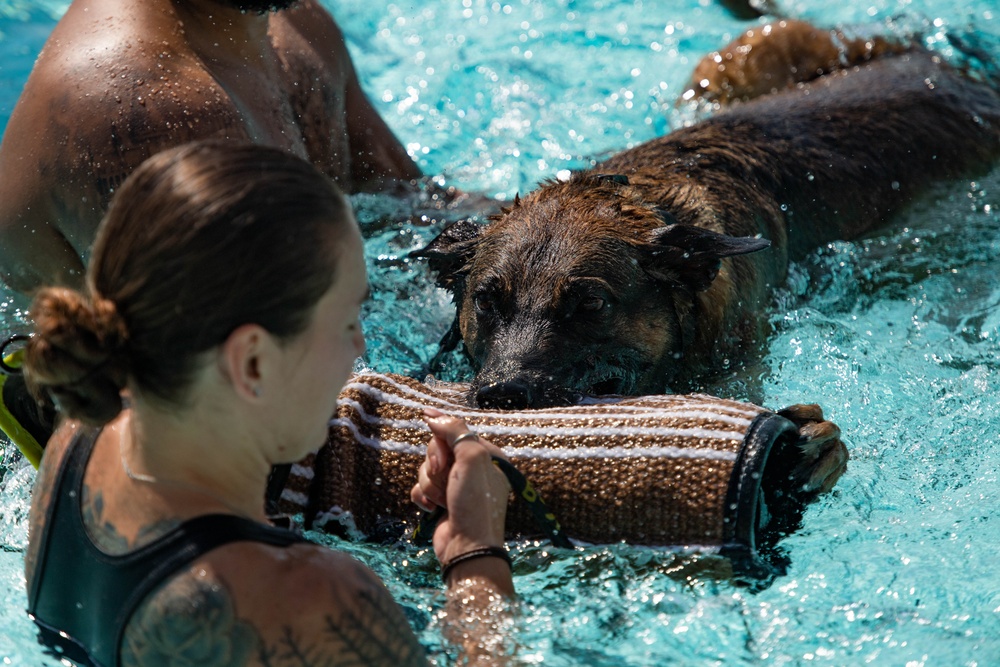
[[44, 488], [250, 604], [301, 579]]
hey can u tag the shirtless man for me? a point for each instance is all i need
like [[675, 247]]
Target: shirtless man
[[120, 80]]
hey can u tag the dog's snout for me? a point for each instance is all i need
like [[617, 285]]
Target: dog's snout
[[507, 395]]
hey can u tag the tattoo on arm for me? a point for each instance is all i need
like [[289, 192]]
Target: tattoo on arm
[[372, 636], [189, 622], [192, 620], [106, 186], [369, 630]]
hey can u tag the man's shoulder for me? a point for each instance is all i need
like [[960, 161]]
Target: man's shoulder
[[310, 17], [93, 110], [115, 72], [116, 102]]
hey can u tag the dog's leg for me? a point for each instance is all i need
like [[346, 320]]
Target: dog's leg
[[777, 56], [824, 455]]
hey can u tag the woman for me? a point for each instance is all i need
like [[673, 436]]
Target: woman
[[219, 323]]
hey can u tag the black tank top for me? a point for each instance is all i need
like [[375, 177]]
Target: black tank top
[[82, 598]]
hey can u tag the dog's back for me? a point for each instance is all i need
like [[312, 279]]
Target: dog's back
[[638, 273], [837, 156]]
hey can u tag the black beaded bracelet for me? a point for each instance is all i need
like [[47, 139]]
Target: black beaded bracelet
[[481, 552]]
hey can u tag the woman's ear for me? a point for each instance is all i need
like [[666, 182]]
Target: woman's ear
[[246, 360]]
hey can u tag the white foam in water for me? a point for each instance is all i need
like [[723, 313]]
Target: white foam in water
[[897, 336]]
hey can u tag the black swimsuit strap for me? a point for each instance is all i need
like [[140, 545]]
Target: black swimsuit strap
[[65, 488], [117, 584]]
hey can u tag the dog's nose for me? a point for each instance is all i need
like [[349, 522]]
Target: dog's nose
[[508, 395]]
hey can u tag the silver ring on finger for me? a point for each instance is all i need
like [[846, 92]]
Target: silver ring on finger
[[468, 435]]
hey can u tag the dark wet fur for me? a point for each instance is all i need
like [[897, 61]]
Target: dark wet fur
[[624, 285]]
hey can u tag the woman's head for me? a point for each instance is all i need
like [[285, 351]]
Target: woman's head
[[199, 240]]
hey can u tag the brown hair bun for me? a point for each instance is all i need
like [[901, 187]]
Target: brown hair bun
[[76, 358]]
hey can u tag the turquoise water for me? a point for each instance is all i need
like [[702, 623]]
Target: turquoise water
[[896, 335]]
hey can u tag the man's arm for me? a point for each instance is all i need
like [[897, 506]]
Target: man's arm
[[34, 250], [378, 159], [74, 136]]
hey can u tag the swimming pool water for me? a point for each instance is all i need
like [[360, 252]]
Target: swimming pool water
[[895, 335]]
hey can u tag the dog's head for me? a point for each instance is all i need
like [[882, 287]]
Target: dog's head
[[580, 288]]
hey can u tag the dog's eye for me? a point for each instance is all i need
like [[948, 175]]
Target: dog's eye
[[593, 304], [484, 304]]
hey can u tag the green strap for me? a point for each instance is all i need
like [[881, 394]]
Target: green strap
[[9, 424], [546, 520]]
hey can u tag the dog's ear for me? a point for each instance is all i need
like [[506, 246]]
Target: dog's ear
[[450, 251], [692, 255]]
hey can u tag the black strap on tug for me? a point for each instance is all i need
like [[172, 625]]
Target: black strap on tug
[[761, 504], [546, 520]]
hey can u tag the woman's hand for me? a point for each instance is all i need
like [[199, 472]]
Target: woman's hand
[[458, 474]]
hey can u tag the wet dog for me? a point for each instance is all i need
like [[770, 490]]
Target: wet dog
[[655, 267]]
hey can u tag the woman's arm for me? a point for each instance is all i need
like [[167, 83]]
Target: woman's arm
[[462, 479], [248, 604]]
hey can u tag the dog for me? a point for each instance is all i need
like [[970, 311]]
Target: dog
[[654, 268]]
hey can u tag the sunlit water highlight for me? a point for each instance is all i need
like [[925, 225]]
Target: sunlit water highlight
[[895, 335]]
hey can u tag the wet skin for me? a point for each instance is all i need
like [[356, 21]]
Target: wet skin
[[118, 81]]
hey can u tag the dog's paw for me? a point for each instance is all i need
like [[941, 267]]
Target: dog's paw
[[823, 454]]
